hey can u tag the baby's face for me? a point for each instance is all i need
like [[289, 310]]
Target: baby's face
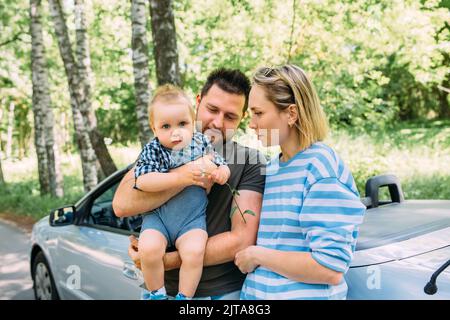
[[173, 124]]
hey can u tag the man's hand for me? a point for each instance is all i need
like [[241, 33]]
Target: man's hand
[[133, 251], [171, 259]]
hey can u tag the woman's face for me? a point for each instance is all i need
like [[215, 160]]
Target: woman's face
[[270, 124]]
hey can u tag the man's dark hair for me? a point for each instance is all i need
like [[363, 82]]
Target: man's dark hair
[[229, 80]]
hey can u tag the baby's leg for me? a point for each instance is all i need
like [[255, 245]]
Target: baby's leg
[[152, 247], [191, 246]]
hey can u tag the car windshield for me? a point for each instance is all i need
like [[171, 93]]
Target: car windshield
[[397, 222]]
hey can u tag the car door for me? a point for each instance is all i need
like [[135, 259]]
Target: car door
[[94, 255]]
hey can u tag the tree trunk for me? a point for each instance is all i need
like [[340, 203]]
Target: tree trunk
[[50, 177], [2, 179], [165, 42], [77, 99], [142, 87], [10, 130], [87, 153], [443, 90], [444, 107], [83, 63]]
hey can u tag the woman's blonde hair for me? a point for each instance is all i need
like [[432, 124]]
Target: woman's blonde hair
[[168, 93], [289, 85]]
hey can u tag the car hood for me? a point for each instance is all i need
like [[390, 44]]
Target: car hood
[[399, 231]]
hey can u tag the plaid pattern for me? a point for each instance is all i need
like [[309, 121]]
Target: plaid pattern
[[157, 158]]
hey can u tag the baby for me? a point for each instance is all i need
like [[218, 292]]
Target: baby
[[182, 220]]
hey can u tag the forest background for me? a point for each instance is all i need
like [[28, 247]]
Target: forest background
[[76, 77]]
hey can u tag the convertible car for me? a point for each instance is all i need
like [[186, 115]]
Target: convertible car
[[403, 251]]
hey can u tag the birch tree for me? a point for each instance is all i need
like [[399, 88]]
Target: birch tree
[[50, 178], [142, 88], [9, 130], [83, 63], [2, 179], [77, 97], [165, 42]]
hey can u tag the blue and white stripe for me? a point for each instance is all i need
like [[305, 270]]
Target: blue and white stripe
[[310, 204]]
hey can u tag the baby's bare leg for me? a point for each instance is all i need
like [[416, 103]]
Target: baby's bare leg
[[152, 247], [191, 247]]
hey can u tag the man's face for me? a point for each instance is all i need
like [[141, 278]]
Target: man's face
[[219, 113]]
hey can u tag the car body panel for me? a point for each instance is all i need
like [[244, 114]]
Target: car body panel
[[403, 279], [404, 249], [100, 256]]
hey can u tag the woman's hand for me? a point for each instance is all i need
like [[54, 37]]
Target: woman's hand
[[247, 260]]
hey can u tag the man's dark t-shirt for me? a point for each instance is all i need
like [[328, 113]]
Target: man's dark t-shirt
[[247, 173]]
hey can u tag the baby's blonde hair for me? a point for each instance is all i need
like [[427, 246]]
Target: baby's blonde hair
[[168, 93], [289, 85]]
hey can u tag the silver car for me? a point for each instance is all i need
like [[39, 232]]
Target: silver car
[[80, 251]]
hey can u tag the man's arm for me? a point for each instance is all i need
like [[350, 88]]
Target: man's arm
[[129, 202], [223, 247]]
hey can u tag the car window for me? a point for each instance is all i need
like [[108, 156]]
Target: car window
[[102, 213]]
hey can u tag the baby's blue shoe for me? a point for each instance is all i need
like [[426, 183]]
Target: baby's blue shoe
[[181, 296], [153, 295]]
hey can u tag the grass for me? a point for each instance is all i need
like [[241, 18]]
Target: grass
[[418, 153]]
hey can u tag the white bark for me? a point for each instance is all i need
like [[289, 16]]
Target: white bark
[[165, 42], [83, 63], [77, 96], [50, 177], [142, 87]]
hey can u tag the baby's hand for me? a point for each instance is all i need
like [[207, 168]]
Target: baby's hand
[[221, 174]]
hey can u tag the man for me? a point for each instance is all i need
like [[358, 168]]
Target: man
[[221, 106]]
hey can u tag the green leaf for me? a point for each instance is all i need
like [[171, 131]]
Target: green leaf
[[233, 211], [250, 212]]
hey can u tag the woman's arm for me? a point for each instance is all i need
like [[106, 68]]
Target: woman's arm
[[297, 266]]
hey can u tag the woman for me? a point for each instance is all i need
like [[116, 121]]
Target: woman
[[311, 207]]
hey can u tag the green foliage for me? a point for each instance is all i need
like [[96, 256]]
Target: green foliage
[[373, 62], [12, 197], [118, 114]]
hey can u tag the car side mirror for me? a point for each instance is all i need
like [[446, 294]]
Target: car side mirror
[[62, 216]]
